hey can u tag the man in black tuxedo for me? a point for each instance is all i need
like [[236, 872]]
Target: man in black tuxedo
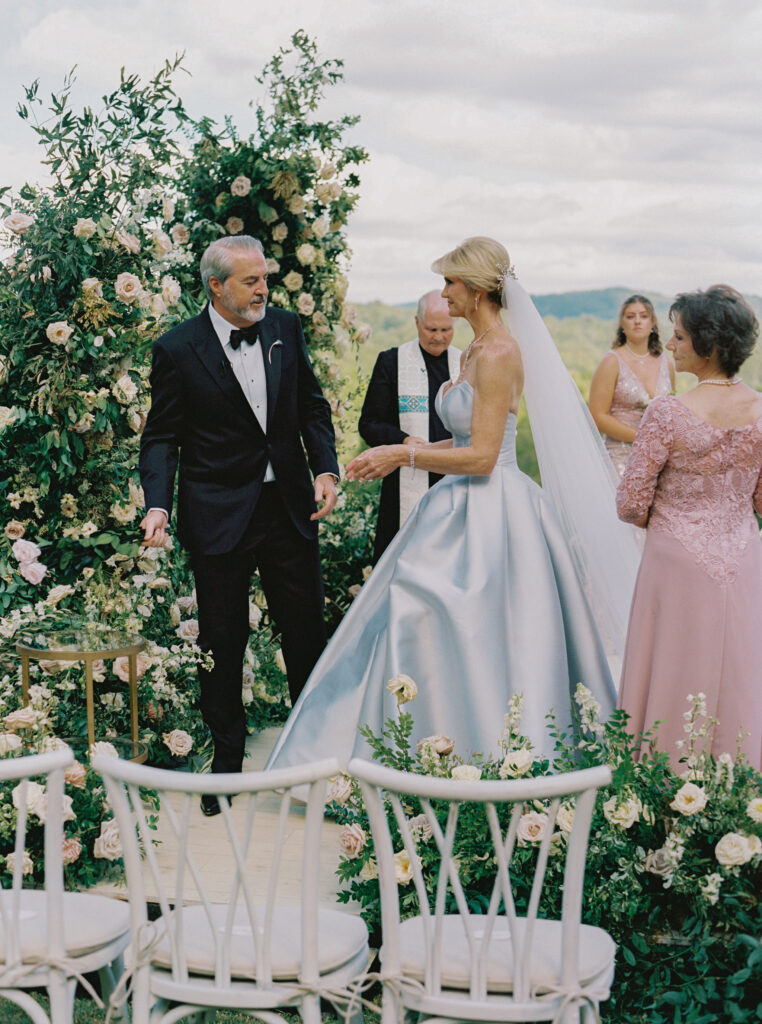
[[391, 414], [236, 403]]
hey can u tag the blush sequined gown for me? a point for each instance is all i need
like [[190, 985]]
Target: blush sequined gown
[[696, 620], [630, 401]]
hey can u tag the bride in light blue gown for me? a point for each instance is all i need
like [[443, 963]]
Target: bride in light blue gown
[[479, 596]]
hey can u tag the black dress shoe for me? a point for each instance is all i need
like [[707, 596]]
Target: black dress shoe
[[210, 805]]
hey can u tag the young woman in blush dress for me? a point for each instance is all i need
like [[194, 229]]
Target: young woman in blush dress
[[628, 377], [694, 480]]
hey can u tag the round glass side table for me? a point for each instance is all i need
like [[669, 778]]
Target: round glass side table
[[80, 643]]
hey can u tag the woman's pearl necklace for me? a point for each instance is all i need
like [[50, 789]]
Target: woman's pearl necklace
[[726, 382], [635, 354]]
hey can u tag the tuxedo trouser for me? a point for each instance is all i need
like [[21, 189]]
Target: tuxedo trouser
[[289, 571]]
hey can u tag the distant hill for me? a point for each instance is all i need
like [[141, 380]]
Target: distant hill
[[604, 303]]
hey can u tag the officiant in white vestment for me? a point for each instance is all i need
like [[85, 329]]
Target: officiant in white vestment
[[399, 408]]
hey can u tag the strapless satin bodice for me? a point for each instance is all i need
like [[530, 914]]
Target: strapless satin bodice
[[454, 408]]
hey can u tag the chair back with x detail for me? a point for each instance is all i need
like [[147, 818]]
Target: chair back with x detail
[[50, 938], [254, 937], [487, 954]]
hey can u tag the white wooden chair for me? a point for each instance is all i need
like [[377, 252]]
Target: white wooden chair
[[236, 941], [50, 938], [449, 963]]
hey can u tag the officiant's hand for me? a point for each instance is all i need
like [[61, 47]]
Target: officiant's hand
[[154, 528], [376, 463], [325, 495]]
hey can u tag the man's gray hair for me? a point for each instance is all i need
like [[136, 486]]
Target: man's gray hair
[[217, 262], [429, 299]]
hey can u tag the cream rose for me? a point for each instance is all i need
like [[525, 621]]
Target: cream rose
[[363, 333], [124, 389], [319, 228], [733, 849], [14, 529], [162, 243], [623, 812], [40, 809], [84, 228], [122, 667], [32, 796], [71, 850], [27, 864], [76, 775], [234, 225], [565, 818], [305, 304], [754, 809], [466, 773], [18, 222], [403, 688], [108, 845], [439, 743], [420, 828], [179, 742], [130, 242], [170, 290], [532, 827], [128, 288], [348, 317], [84, 424], [167, 209], [57, 594], [306, 254], [157, 305], [369, 870], [352, 840], [403, 869], [22, 719], [293, 281], [26, 551], [296, 205], [105, 748], [33, 572], [7, 416], [188, 630], [280, 231], [92, 286], [272, 266], [59, 332], [339, 789], [241, 186], [180, 234], [516, 763], [9, 741], [689, 799]]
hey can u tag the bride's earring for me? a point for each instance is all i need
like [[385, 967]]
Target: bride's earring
[[476, 303]]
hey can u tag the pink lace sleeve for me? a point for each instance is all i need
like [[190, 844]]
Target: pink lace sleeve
[[650, 451], [758, 496]]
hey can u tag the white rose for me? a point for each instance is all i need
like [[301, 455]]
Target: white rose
[[188, 630], [323, 192], [306, 254], [167, 209], [439, 743], [18, 222], [40, 809], [352, 840], [33, 572], [59, 332], [369, 870], [733, 849], [532, 827], [27, 864], [296, 205], [293, 281], [403, 869], [279, 232], [124, 389], [157, 305], [241, 186], [234, 225], [26, 551], [420, 828], [58, 593], [755, 845], [128, 288], [272, 266], [92, 286], [180, 234], [403, 688], [103, 747], [320, 228], [130, 242], [122, 667], [623, 812], [33, 796], [363, 333], [348, 317], [9, 741], [466, 773], [305, 304], [21, 719], [754, 809], [516, 763], [689, 799], [162, 243], [179, 742], [339, 789], [108, 845], [565, 818], [84, 228], [7, 416], [170, 290]]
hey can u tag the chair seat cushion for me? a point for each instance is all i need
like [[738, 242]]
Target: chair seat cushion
[[90, 922], [340, 938], [596, 952]]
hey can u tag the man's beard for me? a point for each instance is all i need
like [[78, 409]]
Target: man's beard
[[253, 312]]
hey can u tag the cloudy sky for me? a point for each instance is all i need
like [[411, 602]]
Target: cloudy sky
[[606, 143]]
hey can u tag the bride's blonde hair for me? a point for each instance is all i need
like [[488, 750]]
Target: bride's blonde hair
[[480, 263]]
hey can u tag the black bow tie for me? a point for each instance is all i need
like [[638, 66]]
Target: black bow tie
[[248, 334]]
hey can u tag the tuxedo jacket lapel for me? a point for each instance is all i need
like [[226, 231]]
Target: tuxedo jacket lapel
[[272, 348], [207, 347]]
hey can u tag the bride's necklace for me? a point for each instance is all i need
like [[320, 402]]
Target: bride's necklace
[[726, 382], [474, 342], [636, 355]]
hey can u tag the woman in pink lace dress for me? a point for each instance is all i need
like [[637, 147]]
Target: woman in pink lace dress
[[629, 377], [694, 479]]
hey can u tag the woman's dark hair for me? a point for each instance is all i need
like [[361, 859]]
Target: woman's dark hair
[[654, 341], [718, 320]]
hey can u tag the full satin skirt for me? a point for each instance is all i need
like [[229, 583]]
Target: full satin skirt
[[475, 599], [691, 634]]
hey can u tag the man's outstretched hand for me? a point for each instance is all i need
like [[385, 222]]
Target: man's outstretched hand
[[325, 495]]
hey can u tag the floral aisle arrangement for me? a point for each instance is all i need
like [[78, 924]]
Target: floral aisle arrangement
[[674, 867], [101, 260]]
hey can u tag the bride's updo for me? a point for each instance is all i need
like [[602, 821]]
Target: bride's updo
[[480, 263]]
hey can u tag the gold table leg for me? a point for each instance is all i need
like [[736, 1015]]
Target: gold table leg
[[133, 661], [25, 677], [89, 703]]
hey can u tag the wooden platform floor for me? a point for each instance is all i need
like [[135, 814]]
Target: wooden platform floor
[[209, 845]]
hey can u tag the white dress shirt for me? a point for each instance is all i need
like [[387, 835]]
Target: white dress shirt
[[248, 365]]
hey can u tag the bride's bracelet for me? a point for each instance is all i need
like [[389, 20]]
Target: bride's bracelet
[[412, 457]]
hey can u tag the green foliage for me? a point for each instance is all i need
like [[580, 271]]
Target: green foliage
[[674, 867]]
